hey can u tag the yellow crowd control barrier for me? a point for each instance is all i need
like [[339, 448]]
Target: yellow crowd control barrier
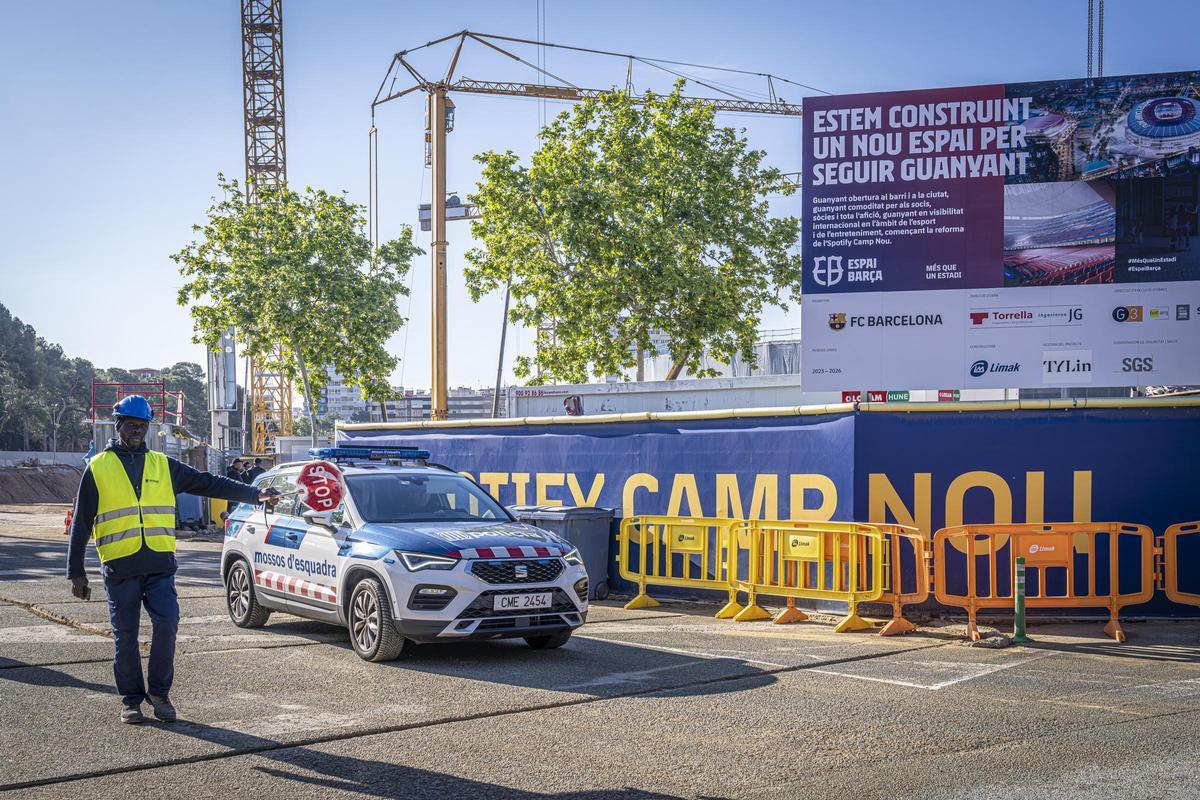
[[695, 552], [1068, 565], [1171, 562], [899, 542], [815, 560]]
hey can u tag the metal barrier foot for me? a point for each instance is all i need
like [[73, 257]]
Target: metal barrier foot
[[751, 613], [789, 615], [643, 600], [1113, 629], [729, 610], [897, 626], [853, 622]]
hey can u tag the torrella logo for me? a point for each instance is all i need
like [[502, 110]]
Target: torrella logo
[[827, 270]]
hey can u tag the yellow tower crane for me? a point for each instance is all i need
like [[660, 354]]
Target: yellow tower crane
[[439, 109]]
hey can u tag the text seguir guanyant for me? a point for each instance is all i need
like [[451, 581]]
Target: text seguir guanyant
[[919, 142]]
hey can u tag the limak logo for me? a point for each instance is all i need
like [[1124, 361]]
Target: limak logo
[[983, 367]]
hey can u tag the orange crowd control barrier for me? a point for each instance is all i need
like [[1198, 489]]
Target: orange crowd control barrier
[[898, 541], [1068, 565], [1171, 562], [693, 552], [816, 560]]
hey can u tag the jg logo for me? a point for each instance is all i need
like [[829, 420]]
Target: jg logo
[[827, 270]]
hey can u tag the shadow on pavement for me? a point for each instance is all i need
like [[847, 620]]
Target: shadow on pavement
[[38, 559], [20, 672], [367, 778]]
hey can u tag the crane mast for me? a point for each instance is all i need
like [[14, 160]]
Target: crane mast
[[269, 398]]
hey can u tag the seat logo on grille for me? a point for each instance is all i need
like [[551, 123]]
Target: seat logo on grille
[[520, 572]]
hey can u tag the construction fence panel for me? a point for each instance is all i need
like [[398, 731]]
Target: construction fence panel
[[1181, 545], [1068, 565], [841, 561], [692, 552], [906, 566]]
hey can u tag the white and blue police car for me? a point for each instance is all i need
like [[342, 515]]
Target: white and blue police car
[[416, 552]]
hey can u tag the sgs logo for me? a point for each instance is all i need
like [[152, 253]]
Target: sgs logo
[[1128, 314], [1136, 364]]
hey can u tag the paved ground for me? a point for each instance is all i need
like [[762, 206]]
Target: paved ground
[[664, 703]]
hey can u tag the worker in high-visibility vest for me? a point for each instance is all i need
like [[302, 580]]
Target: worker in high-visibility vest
[[126, 505]]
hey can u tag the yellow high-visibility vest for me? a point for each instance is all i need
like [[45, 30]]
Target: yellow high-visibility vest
[[122, 520]]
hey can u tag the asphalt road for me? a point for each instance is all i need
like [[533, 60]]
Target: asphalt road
[[663, 703]]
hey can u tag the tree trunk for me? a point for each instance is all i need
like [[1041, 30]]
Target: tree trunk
[[308, 403], [673, 372]]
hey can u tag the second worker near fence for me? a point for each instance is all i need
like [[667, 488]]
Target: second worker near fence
[[126, 505]]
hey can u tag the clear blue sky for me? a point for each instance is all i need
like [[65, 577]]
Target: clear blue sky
[[116, 117]]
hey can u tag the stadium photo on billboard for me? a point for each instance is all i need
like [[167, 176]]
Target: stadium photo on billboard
[[1098, 127], [1059, 234]]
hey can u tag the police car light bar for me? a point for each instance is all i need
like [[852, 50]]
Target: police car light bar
[[370, 453]]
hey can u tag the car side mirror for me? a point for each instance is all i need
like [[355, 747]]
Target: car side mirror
[[321, 518]]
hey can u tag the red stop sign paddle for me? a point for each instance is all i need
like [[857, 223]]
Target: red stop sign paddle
[[322, 485]]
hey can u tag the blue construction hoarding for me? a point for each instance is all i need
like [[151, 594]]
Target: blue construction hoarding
[[924, 468]]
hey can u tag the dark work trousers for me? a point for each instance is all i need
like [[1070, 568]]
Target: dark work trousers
[[126, 597]]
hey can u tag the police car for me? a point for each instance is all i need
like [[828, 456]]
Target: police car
[[415, 553]]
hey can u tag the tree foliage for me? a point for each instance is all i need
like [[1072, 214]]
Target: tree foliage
[[635, 216], [297, 270], [35, 375]]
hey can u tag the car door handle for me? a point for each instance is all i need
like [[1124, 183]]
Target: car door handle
[[291, 537], [250, 529]]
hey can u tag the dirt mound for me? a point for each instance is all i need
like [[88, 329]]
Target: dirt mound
[[41, 484]]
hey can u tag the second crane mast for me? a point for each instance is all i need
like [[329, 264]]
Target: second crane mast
[[437, 104]]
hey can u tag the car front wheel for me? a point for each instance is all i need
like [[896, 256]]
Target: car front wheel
[[240, 598], [372, 630]]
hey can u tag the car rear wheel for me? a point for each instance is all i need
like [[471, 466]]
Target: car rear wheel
[[548, 642], [372, 630], [240, 599]]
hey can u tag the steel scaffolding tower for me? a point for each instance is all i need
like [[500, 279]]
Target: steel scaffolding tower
[[269, 403]]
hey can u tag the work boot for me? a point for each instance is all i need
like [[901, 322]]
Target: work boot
[[132, 715], [163, 710]]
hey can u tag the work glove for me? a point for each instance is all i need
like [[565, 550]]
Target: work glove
[[80, 588], [269, 498]]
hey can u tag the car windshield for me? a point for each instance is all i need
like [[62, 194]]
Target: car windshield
[[422, 498]]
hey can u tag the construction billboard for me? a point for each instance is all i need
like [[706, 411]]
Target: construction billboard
[[1010, 235]]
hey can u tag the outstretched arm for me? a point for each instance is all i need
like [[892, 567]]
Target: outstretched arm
[[185, 479]]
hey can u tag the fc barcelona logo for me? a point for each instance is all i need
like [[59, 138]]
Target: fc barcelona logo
[[837, 321]]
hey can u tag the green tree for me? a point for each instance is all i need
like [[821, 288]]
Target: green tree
[[635, 215], [297, 271]]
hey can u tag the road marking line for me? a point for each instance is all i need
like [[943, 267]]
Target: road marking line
[[683, 652], [978, 671]]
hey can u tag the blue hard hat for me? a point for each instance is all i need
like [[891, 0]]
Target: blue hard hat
[[134, 406]]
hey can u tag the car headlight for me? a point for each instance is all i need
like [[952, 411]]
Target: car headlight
[[419, 561], [573, 557]]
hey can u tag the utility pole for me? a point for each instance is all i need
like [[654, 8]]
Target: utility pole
[[56, 413]]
